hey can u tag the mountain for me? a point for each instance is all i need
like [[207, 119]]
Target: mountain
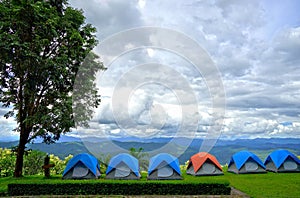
[[8, 144], [223, 149]]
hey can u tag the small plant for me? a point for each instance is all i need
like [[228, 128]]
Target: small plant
[[7, 162], [104, 161], [59, 165]]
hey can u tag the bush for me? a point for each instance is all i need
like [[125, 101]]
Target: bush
[[59, 165], [120, 188], [33, 162], [7, 162]]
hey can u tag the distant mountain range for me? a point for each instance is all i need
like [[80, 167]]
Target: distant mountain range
[[182, 147]]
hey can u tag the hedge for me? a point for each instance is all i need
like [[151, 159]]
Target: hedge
[[143, 188]]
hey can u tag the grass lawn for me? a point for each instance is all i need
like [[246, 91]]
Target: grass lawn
[[58, 179], [267, 185], [255, 185]]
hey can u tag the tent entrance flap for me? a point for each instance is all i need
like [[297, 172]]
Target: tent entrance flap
[[80, 171], [290, 165], [122, 170], [208, 168], [251, 166], [165, 171]]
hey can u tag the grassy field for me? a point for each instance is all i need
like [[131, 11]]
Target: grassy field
[[255, 185], [267, 185]]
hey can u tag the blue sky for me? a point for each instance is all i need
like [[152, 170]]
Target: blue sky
[[254, 45]]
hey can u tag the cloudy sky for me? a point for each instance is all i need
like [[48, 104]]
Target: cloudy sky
[[225, 68]]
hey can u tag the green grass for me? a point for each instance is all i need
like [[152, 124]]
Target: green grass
[[255, 185], [58, 179], [267, 185]]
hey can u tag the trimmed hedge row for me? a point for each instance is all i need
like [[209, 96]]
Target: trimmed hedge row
[[119, 189]]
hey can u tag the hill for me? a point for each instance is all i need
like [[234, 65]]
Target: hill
[[223, 149]]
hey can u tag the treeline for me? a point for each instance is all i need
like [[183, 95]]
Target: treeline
[[33, 162]]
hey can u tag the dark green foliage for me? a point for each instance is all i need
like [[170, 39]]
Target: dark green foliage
[[33, 162], [120, 188]]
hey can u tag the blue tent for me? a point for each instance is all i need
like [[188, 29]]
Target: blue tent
[[245, 162], [163, 160], [122, 163], [282, 161], [82, 166]]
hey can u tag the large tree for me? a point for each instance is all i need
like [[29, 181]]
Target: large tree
[[43, 44]]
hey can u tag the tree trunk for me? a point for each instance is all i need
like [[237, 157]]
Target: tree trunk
[[19, 160], [20, 153]]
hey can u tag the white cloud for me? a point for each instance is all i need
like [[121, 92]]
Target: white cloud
[[6, 128], [235, 33], [255, 45], [142, 3]]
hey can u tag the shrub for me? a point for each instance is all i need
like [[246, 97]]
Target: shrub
[[120, 188], [33, 162], [7, 162], [59, 165]]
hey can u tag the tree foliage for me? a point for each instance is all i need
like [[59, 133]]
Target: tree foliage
[[33, 162], [42, 46], [7, 162], [59, 165]]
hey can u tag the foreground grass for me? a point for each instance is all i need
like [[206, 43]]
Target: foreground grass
[[267, 185], [58, 179], [255, 185]]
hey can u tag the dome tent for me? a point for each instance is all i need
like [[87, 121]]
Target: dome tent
[[282, 161], [82, 166], [164, 166], [204, 164], [123, 166], [245, 162]]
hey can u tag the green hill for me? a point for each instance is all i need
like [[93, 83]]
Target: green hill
[[223, 150]]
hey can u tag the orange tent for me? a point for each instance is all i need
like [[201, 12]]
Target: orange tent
[[207, 162]]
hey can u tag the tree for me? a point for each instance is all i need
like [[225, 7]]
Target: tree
[[141, 156], [33, 162], [43, 43], [59, 165]]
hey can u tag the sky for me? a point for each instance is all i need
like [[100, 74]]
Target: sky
[[223, 68]]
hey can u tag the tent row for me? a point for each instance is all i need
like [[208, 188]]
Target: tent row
[[165, 166], [161, 166], [277, 161], [122, 166]]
